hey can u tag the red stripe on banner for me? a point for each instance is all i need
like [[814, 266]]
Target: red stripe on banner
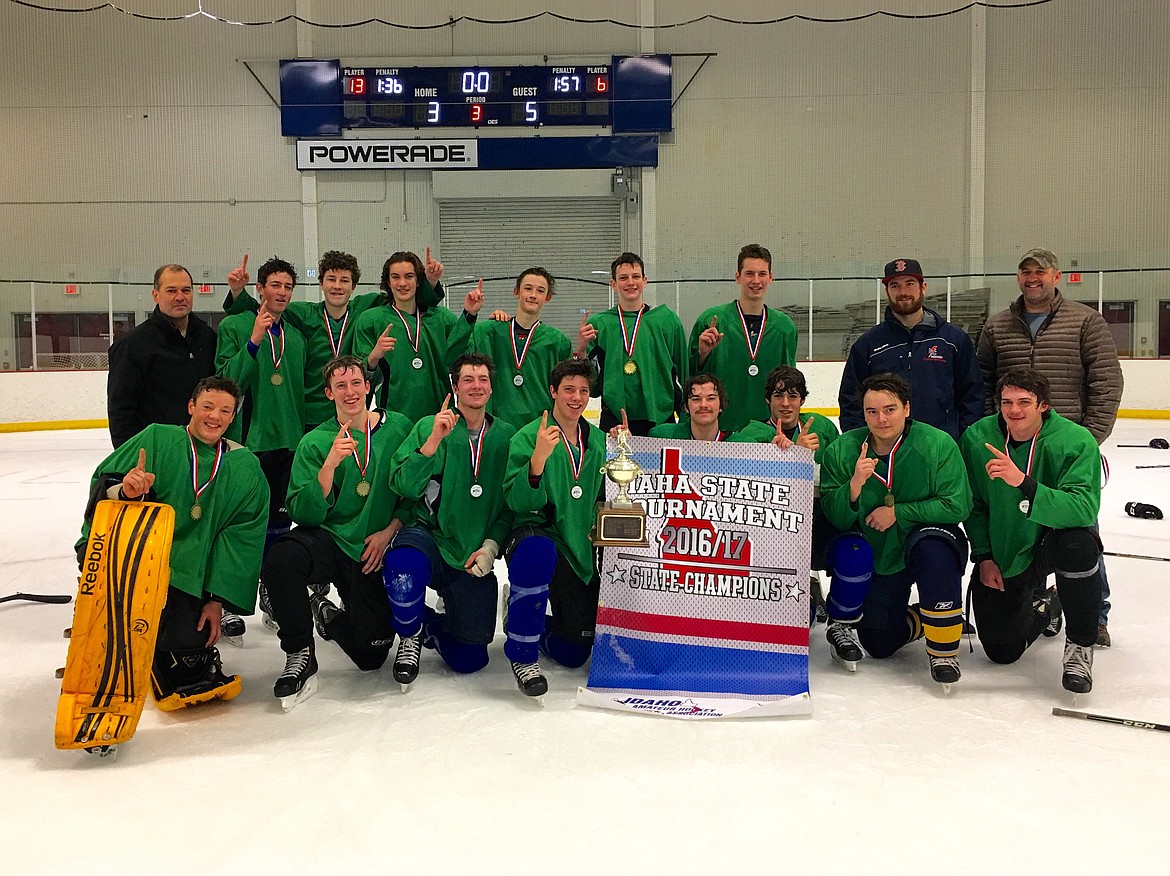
[[703, 628]]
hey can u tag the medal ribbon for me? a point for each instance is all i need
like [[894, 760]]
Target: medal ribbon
[[335, 346], [1031, 452], [476, 447], [519, 354], [411, 339], [753, 351], [630, 339], [575, 462], [888, 480], [272, 345], [369, 430], [219, 450]]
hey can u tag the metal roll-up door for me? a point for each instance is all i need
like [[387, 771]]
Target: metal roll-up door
[[572, 238]]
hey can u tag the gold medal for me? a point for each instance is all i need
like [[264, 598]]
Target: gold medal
[[276, 379], [196, 511], [631, 367], [363, 488], [888, 501]]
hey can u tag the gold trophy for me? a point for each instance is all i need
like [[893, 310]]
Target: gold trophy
[[621, 522]]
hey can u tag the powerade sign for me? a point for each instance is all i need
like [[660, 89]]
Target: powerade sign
[[387, 154]]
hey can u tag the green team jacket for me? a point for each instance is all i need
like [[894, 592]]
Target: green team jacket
[[458, 521], [1067, 471], [681, 431], [930, 486], [549, 504], [413, 392], [730, 359], [822, 427], [218, 554], [345, 515], [547, 347], [275, 415], [660, 354]]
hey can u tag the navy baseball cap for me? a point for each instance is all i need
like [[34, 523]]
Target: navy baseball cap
[[902, 268]]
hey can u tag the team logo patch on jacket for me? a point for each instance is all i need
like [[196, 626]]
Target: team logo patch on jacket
[[933, 355]]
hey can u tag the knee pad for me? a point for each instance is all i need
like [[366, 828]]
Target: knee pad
[[462, 657], [1073, 553], [406, 573], [532, 561], [851, 559], [939, 533], [563, 651]]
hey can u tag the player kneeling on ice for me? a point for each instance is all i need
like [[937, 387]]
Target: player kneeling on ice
[[453, 465], [553, 481], [339, 496], [898, 490], [1036, 479], [220, 499]]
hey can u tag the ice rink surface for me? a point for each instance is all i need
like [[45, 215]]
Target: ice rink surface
[[464, 775]]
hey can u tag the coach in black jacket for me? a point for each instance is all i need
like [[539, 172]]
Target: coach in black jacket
[[936, 358], [154, 369]]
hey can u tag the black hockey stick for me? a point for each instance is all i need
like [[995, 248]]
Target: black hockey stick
[[1136, 556], [1152, 466], [57, 599], [1106, 719], [1156, 443]]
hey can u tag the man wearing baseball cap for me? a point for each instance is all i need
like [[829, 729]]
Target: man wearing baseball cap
[[1067, 342], [935, 357]]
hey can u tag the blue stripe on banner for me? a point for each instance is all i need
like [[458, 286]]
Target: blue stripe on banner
[[637, 664], [801, 471]]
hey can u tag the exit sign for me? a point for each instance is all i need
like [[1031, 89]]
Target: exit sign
[[71, 289], [204, 288]]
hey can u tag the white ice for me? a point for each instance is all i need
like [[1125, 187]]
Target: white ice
[[463, 774]]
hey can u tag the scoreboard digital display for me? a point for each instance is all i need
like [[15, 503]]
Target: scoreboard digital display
[[472, 97]]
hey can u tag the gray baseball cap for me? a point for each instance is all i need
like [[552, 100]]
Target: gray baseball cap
[[1045, 258]]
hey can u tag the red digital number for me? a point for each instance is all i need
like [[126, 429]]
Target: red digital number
[[602, 84], [357, 85], [476, 112]]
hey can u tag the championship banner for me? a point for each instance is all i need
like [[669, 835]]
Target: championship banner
[[710, 620]]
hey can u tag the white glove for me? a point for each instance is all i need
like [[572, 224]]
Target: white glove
[[481, 561]]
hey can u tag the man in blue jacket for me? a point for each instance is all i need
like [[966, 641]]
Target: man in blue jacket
[[936, 358]]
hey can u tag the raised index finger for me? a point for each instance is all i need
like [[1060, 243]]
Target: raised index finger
[[543, 421], [585, 317], [344, 429], [995, 451], [244, 263], [713, 318], [141, 458], [446, 402], [864, 449], [428, 254]]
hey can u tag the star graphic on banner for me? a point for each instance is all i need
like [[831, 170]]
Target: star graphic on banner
[[617, 575], [792, 589]]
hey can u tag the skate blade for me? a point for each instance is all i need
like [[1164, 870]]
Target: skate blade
[[229, 690], [851, 665], [269, 623], [946, 687], [291, 702], [104, 751], [404, 686], [234, 641]]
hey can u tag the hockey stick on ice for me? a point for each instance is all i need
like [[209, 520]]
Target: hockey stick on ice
[[58, 599], [1106, 719], [1136, 556]]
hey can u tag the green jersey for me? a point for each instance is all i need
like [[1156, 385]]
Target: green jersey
[[218, 554], [413, 377], [460, 489], [1066, 468], [272, 380], [929, 485], [562, 501], [732, 361], [538, 351], [681, 431], [822, 427], [361, 502], [658, 361]]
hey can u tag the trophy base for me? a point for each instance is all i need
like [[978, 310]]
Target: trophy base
[[620, 527]]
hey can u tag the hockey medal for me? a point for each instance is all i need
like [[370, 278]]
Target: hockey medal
[[276, 379], [416, 363], [335, 345], [476, 491], [1025, 506], [520, 352], [220, 447], [576, 492], [576, 460], [414, 337], [631, 367], [888, 480], [475, 448], [630, 339], [888, 501], [363, 485], [753, 349]]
